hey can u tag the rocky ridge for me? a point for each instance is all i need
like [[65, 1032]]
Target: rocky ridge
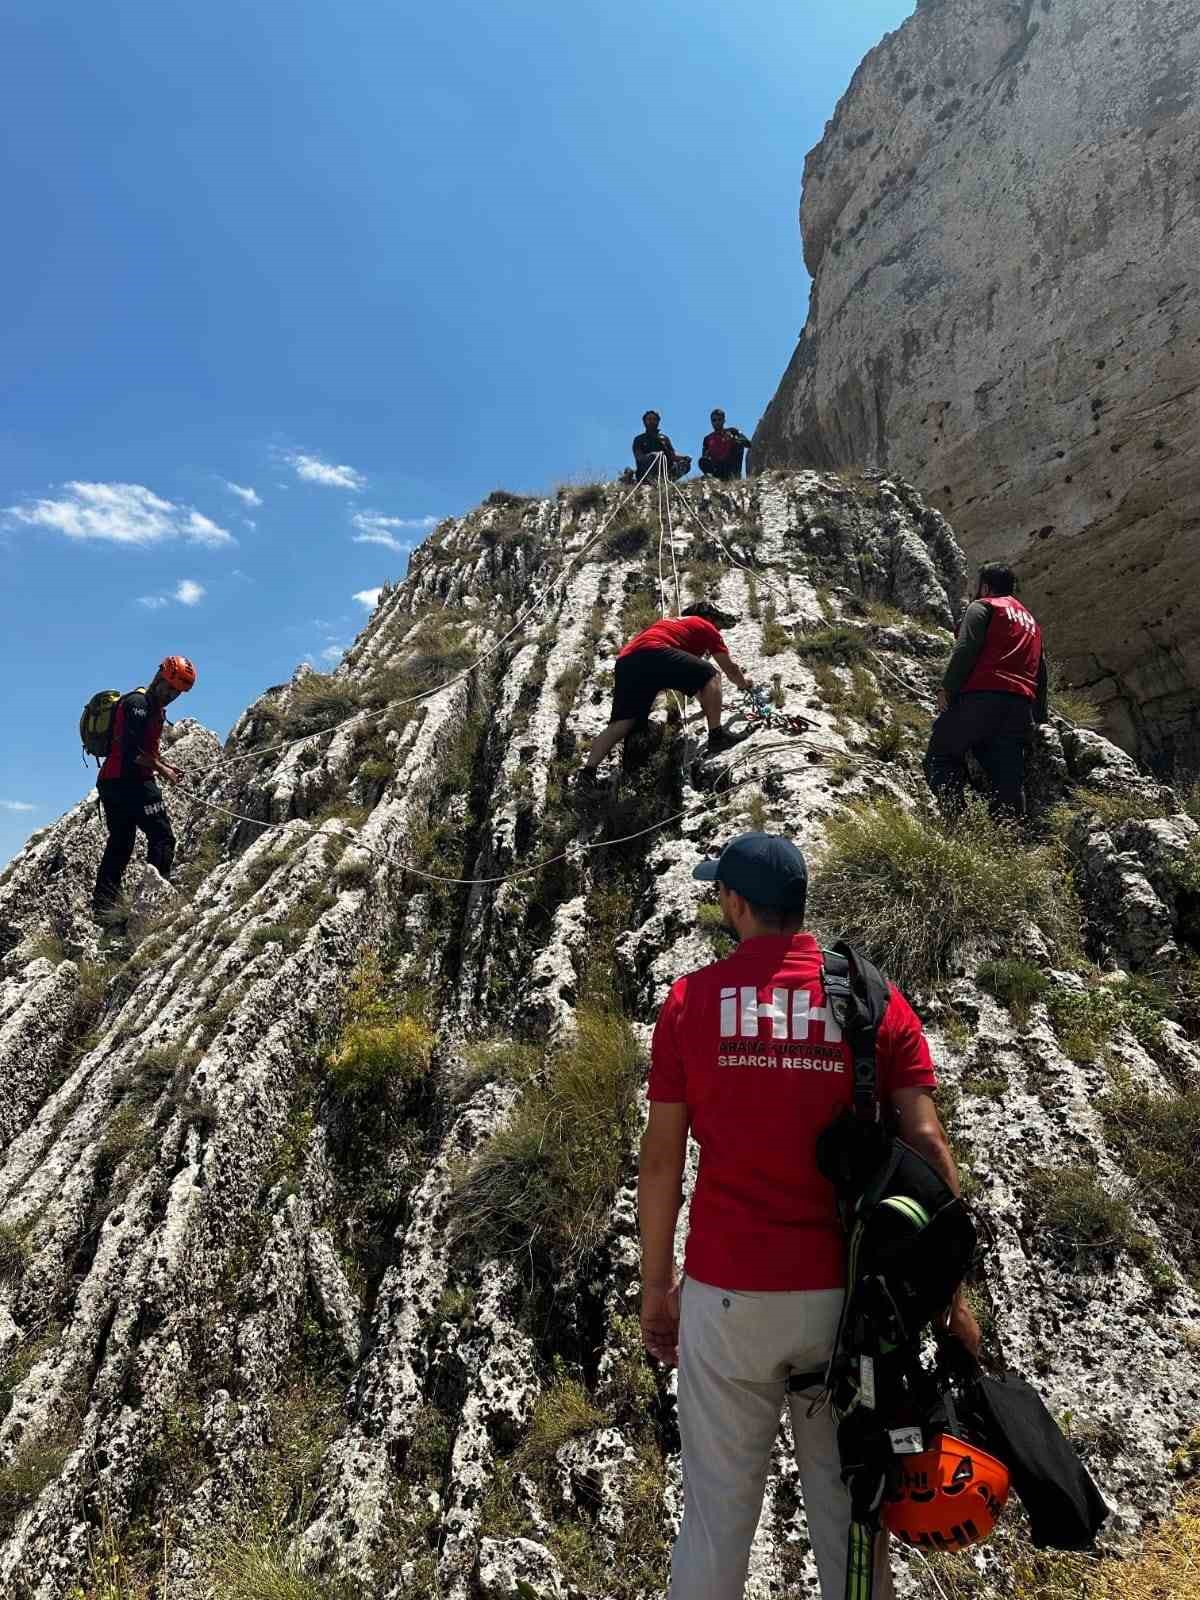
[[1001, 223], [243, 1332]]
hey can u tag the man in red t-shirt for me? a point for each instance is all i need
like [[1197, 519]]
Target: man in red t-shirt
[[749, 1060], [993, 691], [722, 451], [670, 654]]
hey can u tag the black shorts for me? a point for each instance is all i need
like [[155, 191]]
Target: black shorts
[[640, 677]]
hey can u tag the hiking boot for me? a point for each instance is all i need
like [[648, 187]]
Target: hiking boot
[[587, 786], [720, 739]]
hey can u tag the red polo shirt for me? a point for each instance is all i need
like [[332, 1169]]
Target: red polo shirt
[[749, 1046]]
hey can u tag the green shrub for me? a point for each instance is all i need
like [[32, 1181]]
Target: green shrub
[[1084, 1020], [318, 701], [503, 1060], [543, 1185], [353, 874], [1015, 983], [1158, 1140], [269, 1569], [1073, 705], [506, 499], [639, 611], [34, 1466], [1185, 872], [382, 1047], [701, 578], [587, 498], [919, 894], [14, 1252], [1078, 1217], [1114, 808], [627, 537], [838, 642], [775, 637], [376, 769], [562, 1412]]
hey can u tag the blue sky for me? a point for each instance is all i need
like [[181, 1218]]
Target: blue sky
[[364, 263]]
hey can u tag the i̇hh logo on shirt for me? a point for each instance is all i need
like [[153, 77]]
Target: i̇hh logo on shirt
[[787, 1038]]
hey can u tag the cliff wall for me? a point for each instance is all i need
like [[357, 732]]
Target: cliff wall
[[1001, 225]]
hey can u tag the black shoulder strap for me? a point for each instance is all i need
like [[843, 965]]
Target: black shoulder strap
[[858, 995]]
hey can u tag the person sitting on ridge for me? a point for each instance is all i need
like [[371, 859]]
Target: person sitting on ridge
[[993, 691], [670, 655], [128, 793], [648, 446], [722, 451]]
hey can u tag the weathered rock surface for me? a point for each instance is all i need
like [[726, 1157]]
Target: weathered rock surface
[[234, 1318], [1001, 224]]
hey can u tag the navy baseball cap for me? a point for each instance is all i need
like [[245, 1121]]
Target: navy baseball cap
[[767, 869]]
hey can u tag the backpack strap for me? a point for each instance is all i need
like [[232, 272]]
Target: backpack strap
[[858, 995]]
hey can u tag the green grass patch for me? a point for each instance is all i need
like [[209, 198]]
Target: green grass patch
[[627, 536], [383, 1046], [562, 1412], [1078, 1219], [1157, 1138], [1015, 983], [1114, 808], [587, 497], [318, 701], [1085, 1020], [253, 1569], [775, 637], [567, 686], [919, 895], [838, 642], [543, 1186], [35, 1465], [640, 610], [14, 1253], [1073, 705]]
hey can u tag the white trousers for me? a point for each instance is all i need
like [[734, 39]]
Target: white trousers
[[736, 1351]]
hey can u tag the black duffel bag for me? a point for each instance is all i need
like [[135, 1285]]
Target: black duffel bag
[[1066, 1510]]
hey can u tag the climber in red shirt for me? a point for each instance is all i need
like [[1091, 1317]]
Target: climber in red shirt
[[748, 1059], [670, 654], [993, 691], [130, 797], [722, 451]]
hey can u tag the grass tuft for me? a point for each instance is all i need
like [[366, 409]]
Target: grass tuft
[[543, 1185], [838, 642], [919, 895], [1158, 1140], [563, 1412], [1015, 983], [381, 1046], [1079, 1218]]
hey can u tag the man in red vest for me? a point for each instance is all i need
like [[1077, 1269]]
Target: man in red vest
[[722, 451], [748, 1059], [670, 654], [993, 691], [129, 795]]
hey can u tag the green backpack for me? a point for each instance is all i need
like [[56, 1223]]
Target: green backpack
[[96, 723]]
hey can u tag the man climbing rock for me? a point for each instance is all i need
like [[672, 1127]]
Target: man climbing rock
[[748, 1060], [993, 691], [128, 793], [670, 655], [648, 446], [723, 449]]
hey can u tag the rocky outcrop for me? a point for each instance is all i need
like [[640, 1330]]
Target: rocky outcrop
[[1001, 225], [244, 1334]]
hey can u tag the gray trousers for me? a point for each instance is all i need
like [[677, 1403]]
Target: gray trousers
[[736, 1351]]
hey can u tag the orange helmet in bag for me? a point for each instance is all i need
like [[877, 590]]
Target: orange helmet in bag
[[948, 1497]]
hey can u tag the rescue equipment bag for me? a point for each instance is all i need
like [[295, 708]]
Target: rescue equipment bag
[[1066, 1510], [911, 1241], [96, 723]]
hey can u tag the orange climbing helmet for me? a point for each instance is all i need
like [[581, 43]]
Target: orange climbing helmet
[[179, 672], [948, 1497]]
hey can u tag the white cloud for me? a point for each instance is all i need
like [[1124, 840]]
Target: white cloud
[[376, 529], [333, 652], [187, 592], [313, 470], [122, 513], [250, 497], [15, 805], [369, 597]]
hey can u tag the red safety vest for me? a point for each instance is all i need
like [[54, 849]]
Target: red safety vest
[[1012, 651]]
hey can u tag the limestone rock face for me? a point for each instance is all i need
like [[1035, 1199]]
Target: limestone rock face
[[243, 1337], [1001, 224]]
